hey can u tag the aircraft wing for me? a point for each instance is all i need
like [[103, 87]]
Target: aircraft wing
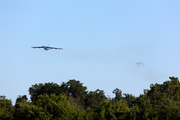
[[39, 47], [55, 48]]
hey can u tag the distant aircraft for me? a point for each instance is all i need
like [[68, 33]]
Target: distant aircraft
[[48, 48], [140, 63]]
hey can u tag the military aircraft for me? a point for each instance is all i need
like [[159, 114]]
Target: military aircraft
[[48, 48], [140, 63]]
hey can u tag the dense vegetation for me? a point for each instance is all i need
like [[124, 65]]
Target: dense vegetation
[[71, 100]]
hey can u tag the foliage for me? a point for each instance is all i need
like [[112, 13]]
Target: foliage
[[71, 100], [167, 90], [76, 90], [59, 107], [6, 109], [72, 88], [94, 99], [117, 110], [40, 89], [118, 94], [165, 99], [28, 111], [145, 108], [169, 109], [19, 100], [130, 99]]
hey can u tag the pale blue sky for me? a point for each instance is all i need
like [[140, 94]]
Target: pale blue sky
[[102, 41]]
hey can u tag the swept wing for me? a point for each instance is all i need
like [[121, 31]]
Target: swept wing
[[39, 47], [54, 48]]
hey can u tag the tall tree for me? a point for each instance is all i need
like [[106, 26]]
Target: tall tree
[[28, 111], [145, 108], [20, 99], [76, 90], [117, 110], [6, 108], [168, 109], [130, 99], [59, 107], [40, 89], [94, 99], [167, 90], [118, 94], [72, 88]]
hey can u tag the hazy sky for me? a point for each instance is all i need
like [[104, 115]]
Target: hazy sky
[[102, 41]]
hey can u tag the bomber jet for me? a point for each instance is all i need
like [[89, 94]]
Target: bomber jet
[[48, 48], [140, 63]]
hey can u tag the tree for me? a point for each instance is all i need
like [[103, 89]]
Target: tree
[[117, 110], [72, 88], [89, 114], [76, 90], [134, 110], [40, 89], [168, 109], [6, 108], [118, 94], [94, 99], [59, 107], [169, 89], [100, 111], [19, 100], [28, 111], [130, 99], [145, 108]]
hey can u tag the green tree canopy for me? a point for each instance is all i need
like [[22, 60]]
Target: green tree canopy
[[118, 94], [94, 99], [40, 89], [167, 90], [28, 111], [19, 100], [117, 110], [72, 88], [76, 90], [59, 107], [6, 108]]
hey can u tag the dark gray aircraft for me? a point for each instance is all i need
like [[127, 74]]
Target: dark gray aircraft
[[140, 63], [48, 48]]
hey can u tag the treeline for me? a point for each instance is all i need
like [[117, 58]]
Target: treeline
[[72, 101]]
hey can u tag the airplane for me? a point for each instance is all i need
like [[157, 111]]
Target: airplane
[[140, 63], [48, 48]]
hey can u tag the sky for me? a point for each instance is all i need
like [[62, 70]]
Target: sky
[[102, 41]]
